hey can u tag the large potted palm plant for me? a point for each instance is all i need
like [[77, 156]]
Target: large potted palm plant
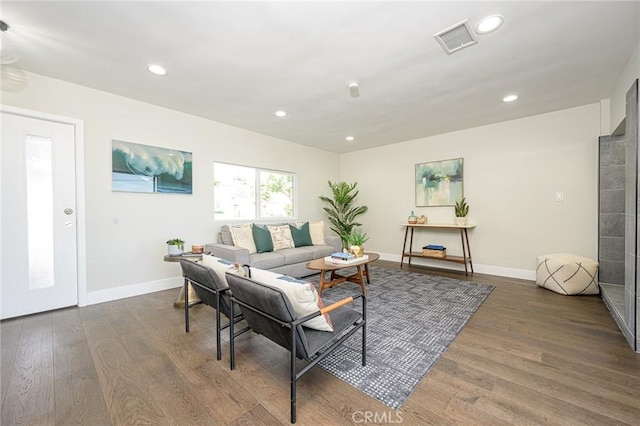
[[341, 209]]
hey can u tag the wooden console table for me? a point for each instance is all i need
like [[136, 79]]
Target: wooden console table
[[466, 250]]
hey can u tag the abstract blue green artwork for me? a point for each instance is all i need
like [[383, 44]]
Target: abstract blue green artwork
[[439, 183], [144, 168]]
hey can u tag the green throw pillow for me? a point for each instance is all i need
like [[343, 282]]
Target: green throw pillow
[[262, 239], [301, 236]]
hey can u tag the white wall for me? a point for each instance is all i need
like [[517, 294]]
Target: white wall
[[512, 171], [126, 233], [618, 97]]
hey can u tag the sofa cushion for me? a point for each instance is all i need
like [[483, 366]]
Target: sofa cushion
[[296, 255], [269, 260], [320, 251], [301, 235], [316, 230], [302, 295], [281, 237], [243, 237], [225, 235], [262, 239]]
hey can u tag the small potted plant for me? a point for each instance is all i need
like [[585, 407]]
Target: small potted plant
[[461, 210], [355, 241], [176, 246]]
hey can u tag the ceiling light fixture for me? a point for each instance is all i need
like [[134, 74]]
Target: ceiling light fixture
[[354, 91], [349, 138], [489, 24], [9, 52], [157, 69], [510, 98], [281, 114]]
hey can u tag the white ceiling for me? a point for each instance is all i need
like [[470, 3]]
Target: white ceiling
[[238, 62]]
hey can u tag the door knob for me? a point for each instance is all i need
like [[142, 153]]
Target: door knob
[[68, 211]]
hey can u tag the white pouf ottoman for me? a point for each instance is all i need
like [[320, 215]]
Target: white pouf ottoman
[[567, 274]]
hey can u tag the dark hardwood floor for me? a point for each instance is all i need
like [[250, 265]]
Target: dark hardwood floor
[[528, 356]]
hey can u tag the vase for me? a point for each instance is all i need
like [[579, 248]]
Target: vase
[[461, 221], [358, 251], [412, 218]]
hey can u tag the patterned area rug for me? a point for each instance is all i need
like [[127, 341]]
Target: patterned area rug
[[412, 319]]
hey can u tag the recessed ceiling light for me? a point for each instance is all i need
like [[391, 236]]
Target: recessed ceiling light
[[489, 24], [281, 114], [349, 138], [510, 98], [156, 69]]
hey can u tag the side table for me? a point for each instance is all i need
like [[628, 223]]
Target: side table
[[465, 259], [193, 297]]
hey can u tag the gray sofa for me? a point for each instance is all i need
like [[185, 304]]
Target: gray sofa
[[290, 261]]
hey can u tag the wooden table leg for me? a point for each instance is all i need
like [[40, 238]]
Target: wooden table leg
[[321, 283], [361, 280], [404, 246], [366, 273], [466, 237], [464, 251], [410, 245]]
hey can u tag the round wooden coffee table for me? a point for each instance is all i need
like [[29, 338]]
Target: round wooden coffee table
[[335, 278]]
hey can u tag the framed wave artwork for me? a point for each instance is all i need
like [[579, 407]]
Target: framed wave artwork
[[145, 168]]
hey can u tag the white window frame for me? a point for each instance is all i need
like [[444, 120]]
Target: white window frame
[[257, 196]]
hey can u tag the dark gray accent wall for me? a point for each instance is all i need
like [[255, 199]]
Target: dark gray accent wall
[[618, 224], [611, 247], [631, 282]]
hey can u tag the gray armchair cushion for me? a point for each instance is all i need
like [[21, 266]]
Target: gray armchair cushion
[[269, 300], [206, 277], [342, 319], [274, 302]]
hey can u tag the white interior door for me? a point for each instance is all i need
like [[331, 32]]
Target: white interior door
[[38, 224]]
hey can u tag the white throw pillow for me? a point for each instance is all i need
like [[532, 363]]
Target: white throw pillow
[[316, 229], [302, 295], [281, 237], [243, 237], [221, 267]]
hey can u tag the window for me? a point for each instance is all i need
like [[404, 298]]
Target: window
[[247, 193]]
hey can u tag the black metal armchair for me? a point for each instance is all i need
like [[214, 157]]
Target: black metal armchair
[[268, 311], [211, 292]]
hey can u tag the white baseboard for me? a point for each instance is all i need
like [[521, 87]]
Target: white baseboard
[[500, 271], [523, 274], [101, 296]]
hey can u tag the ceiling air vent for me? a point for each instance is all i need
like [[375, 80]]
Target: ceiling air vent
[[456, 37]]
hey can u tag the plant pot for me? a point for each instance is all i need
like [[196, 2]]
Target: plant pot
[[175, 250], [358, 251], [461, 221]]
